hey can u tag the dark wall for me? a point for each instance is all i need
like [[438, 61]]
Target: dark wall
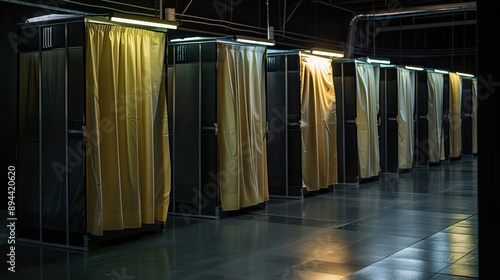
[[488, 147]]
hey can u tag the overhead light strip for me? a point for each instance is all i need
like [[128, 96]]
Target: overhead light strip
[[441, 71], [247, 41], [387, 66], [252, 40], [327, 53], [188, 39], [378, 60], [143, 22], [465, 74], [417, 68]]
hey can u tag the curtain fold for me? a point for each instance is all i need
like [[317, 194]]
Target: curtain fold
[[474, 116], [455, 91], [406, 111], [318, 123], [128, 162], [435, 88], [367, 108], [241, 118]]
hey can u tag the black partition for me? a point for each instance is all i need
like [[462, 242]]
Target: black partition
[[193, 94], [421, 154], [388, 119], [283, 114], [344, 73], [51, 196], [446, 119], [466, 116]]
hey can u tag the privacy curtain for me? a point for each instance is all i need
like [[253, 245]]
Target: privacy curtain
[[455, 89], [406, 110], [318, 124], [435, 84], [128, 162], [241, 118], [367, 107], [474, 116]]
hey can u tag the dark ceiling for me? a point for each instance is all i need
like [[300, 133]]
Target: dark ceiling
[[424, 32]]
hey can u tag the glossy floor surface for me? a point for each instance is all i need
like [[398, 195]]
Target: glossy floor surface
[[420, 224]]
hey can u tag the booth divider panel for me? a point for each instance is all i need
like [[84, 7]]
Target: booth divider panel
[[53, 146], [467, 116], [209, 172], [276, 137], [446, 119], [345, 90], [77, 144], [422, 142], [351, 150], [392, 124], [382, 128], [294, 133], [186, 136]]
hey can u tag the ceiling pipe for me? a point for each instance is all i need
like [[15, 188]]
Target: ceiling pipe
[[269, 37], [400, 13]]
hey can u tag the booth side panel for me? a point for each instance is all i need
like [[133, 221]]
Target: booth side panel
[[422, 137], [209, 197], [392, 124], [467, 116], [294, 133], [276, 115], [345, 90], [446, 119], [186, 127]]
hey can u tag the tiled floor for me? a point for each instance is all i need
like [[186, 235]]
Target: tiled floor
[[416, 225]]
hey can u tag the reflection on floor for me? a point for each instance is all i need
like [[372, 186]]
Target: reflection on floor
[[420, 224]]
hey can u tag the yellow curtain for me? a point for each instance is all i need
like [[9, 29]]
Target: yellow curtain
[[474, 116], [455, 115], [435, 87], [406, 110], [367, 107], [318, 123], [128, 162], [241, 118]]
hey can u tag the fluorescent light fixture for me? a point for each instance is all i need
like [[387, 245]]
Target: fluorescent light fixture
[[188, 39], [465, 74], [417, 68], [387, 66], [441, 71], [378, 60], [327, 53], [253, 40], [143, 21]]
